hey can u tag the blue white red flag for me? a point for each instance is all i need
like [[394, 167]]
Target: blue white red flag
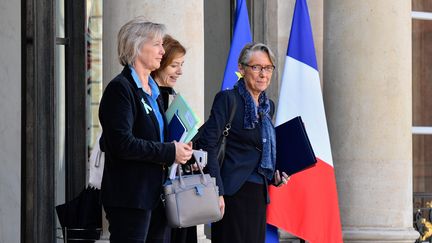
[[307, 206]]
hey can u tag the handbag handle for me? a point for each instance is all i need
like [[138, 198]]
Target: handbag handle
[[179, 173]]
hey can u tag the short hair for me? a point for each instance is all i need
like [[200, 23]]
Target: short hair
[[250, 48], [173, 48], [132, 36]]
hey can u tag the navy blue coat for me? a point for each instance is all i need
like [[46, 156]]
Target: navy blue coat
[[243, 148], [135, 159]]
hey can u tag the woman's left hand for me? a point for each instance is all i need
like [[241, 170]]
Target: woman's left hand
[[222, 205], [183, 152], [280, 180]]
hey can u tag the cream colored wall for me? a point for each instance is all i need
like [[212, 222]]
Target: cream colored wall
[[184, 20]]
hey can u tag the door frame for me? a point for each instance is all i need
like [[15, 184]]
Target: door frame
[[38, 113]]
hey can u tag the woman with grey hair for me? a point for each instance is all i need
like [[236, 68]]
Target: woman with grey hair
[[134, 131], [250, 153]]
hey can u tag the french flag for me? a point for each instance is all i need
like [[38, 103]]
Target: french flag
[[307, 206]]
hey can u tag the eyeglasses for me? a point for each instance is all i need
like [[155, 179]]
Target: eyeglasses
[[259, 68]]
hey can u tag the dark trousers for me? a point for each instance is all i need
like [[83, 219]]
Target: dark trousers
[[132, 225], [184, 235], [245, 216]]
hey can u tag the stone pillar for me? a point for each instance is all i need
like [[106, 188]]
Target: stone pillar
[[367, 93]]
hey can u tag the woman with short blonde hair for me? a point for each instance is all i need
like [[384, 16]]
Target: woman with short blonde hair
[[134, 131]]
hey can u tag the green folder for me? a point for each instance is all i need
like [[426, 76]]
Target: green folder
[[186, 115]]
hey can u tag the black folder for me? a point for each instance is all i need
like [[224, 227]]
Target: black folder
[[294, 151]]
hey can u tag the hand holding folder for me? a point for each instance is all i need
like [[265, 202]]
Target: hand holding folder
[[182, 125], [294, 151]]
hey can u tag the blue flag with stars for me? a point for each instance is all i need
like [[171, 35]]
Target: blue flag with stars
[[241, 36]]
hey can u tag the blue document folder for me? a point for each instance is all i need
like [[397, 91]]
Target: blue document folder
[[294, 151], [176, 129], [186, 116]]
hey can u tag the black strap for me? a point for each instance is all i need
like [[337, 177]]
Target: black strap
[[231, 117], [225, 132]]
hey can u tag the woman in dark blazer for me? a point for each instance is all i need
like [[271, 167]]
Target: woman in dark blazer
[[166, 77], [134, 128], [250, 153]]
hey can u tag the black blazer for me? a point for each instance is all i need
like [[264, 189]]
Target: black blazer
[[165, 93], [243, 148], [135, 159]]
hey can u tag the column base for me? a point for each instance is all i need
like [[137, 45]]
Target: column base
[[202, 238], [380, 235]]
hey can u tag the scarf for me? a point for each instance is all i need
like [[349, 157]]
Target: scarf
[[268, 156]]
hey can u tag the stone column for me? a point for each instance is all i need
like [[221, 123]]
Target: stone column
[[367, 93]]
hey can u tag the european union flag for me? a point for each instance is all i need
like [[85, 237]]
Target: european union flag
[[241, 37]]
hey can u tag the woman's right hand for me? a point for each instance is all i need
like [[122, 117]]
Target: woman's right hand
[[280, 179], [222, 205], [183, 152]]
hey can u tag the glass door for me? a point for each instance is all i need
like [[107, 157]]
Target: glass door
[[77, 89], [94, 76], [94, 71], [60, 112]]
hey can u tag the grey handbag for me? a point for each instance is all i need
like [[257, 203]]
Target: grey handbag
[[191, 200]]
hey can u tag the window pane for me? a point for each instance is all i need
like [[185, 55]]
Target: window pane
[[94, 72], [60, 170], [422, 73], [422, 5], [422, 163]]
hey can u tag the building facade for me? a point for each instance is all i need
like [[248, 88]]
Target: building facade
[[373, 57]]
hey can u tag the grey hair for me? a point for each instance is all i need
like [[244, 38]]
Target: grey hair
[[250, 48], [132, 36]]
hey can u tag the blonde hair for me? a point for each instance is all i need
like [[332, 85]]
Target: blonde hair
[[133, 34]]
